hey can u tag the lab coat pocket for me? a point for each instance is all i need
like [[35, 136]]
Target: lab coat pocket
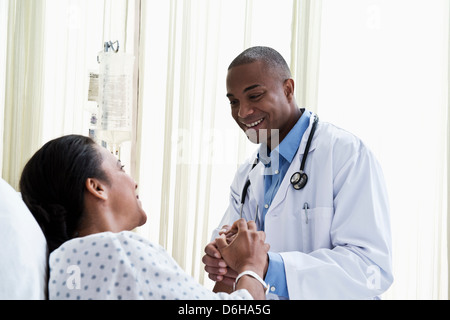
[[316, 226]]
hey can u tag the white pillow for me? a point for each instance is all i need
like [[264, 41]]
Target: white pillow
[[23, 249]]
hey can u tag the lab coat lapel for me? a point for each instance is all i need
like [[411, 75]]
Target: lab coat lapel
[[256, 177], [286, 183], [295, 166]]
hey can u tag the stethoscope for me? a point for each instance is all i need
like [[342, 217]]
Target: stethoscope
[[298, 179]]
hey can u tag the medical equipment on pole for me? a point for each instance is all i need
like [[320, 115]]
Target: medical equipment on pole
[[115, 96]]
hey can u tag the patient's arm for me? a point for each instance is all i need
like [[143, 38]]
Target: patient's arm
[[123, 266]]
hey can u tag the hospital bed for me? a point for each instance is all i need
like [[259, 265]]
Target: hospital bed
[[23, 249]]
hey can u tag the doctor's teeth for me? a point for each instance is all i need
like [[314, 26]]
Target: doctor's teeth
[[254, 123]]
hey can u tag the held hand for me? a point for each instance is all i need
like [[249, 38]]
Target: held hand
[[246, 249], [229, 233], [215, 266]]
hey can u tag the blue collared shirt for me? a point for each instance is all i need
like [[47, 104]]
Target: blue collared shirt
[[276, 165]]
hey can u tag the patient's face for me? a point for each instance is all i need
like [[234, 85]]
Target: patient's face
[[122, 194]]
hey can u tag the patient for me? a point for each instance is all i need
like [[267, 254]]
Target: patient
[[86, 204]]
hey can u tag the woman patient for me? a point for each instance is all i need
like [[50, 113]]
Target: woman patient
[[86, 204]]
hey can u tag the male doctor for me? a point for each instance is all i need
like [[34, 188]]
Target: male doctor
[[330, 238]]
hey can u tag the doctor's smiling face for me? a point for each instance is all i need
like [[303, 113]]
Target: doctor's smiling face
[[262, 101]]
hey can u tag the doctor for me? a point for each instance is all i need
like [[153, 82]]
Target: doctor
[[329, 236]]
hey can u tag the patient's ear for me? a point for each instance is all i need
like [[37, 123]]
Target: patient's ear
[[97, 188]]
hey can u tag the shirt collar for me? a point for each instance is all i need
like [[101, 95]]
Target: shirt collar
[[289, 146]]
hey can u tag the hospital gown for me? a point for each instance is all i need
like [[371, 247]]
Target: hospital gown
[[122, 266]]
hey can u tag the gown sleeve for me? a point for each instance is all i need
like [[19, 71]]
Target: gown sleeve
[[122, 266]]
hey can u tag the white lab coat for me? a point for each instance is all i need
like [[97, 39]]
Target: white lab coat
[[341, 247]]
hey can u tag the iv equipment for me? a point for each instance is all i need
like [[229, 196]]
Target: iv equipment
[[115, 97]]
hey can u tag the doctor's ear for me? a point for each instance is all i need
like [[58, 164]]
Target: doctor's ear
[[96, 188], [289, 87]]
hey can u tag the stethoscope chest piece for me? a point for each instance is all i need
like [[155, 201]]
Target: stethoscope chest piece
[[299, 180]]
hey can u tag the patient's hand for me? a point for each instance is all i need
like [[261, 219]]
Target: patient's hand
[[229, 234], [243, 248], [216, 267]]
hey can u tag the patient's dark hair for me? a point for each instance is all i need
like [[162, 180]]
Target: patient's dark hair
[[269, 56], [53, 185]]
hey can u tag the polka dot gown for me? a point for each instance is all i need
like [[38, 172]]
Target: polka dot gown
[[122, 266]]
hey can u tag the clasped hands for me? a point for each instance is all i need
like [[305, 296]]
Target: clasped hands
[[238, 248]]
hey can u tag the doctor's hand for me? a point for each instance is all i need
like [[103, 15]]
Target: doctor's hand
[[245, 249]]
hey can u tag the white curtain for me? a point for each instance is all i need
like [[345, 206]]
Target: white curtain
[[51, 47], [23, 108], [384, 76], [305, 51], [190, 145], [3, 35], [446, 100]]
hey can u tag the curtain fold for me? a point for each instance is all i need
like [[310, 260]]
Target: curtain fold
[[447, 143], [4, 5], [167, 137], [24, 86], [189, 120], [305, 51]]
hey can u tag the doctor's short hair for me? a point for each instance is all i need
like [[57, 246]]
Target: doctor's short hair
[[269, 56]]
